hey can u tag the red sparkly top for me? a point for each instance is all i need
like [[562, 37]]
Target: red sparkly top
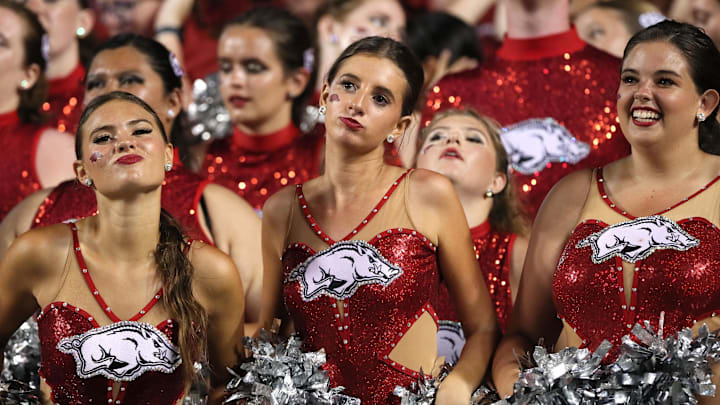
[[181, 195], [673, 258], [493, 251], [67, 377], [65, 100], [255, 167], [384, 282], [18, 178], [555, 95]]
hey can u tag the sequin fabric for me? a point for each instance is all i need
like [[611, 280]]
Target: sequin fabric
[[375, 317], [493, 251], [65, 99], [19, 179], [555, 77], [255, 167], [181, 194], [591, 298]]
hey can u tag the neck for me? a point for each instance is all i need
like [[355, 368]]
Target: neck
[[128, 230], [349, 177], [9, 103], [477, 207], [63, 64], [278, 121], [666, 162], [537, 18]]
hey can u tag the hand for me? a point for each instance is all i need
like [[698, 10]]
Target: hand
[[454, 391], [173, 13]]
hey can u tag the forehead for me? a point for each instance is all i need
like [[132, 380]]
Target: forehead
[[390, 8], [648, 57], [375, 71], [116, 112], [460, 121], [12, 26], [241, 41], [125, 58]]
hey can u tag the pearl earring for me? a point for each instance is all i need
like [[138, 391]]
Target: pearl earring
[[171, 113], [88, 182], [322, 110], [489, 193], [25, 84], [168, 167], [701, 117], [390, 138], [80, 32]]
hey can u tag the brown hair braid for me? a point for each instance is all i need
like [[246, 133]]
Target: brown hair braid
[[506, 214], [174, 267]]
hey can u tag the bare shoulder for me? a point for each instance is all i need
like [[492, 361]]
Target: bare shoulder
[[569, 194], [215, 276], [430, 188], [25, 255], [216, 192], [277, 207]]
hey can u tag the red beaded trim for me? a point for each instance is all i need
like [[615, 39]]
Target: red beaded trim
[[385, 356], [606, 198], [54, 306], [407, 231], [585, 341], [96, 293], [315, 227]]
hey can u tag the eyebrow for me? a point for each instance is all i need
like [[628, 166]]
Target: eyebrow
[[657, 72], [111, 127]]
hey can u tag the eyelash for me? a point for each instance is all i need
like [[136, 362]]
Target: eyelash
[[438, 136]]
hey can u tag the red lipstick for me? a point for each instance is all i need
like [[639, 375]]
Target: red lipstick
[[351, 123], [129, 159], [238, 101], [451, 153]]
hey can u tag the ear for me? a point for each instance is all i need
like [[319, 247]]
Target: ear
[[169, 153], [31, 74], [86, 19], [81, 173], [174, 104], [499, 182], [297, 81], [709, 101], [401, 126], [324, 93]]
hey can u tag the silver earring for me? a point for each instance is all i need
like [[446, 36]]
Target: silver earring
[[489, 193], [701, 117], [322, 110], [80, 32], [171, 113], [24, 84], [390, 138], [168, 167], [88, 182]]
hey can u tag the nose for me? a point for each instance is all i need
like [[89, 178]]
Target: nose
[[643, 91], [357, 102], [238, 77], [453, 137], [125, 144]]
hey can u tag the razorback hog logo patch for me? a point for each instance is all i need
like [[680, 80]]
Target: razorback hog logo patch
[[450, 340], [637, 239], [534, 143], [122, 351], [341, 269]]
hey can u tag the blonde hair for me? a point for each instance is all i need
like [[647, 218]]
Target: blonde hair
[[506, 214]]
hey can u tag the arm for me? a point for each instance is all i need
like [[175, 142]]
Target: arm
[[54, 157], [219, 290], [534, 314], [435, 194], [274, 230], [19, 219], [236, 231], [517, 260]]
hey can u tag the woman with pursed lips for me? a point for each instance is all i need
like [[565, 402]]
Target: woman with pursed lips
[[465, 147], [35, 156], [206, 211], [637, 240], [264, 83], [125, 275], [356, 254]]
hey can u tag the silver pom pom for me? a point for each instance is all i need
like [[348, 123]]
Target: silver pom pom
[[280, 373], [424, 390], [206, 114], [22, 355], [18, 393]]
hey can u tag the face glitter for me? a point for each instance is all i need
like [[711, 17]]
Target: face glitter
[[95, 156], [334, 98]]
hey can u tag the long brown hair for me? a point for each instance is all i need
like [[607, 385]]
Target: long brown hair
[[506, 214], [31, 99], [172, 262]]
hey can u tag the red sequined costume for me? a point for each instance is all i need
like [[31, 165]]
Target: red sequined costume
[[66, 372], [555, 95], [19, 179], [181, 195], [65, 100], [255, 167], [673, 258], [493, 251], [378, 306]]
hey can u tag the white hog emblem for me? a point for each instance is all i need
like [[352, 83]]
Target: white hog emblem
[[341, 269], [534, 143], [637, 239], [450, 340], [122, 351]]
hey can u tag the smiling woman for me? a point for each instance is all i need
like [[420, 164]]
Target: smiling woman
[[646, 224], [131, 254], [377, 322]]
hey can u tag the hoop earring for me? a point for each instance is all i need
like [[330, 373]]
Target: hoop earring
[[489, 193], [390, 138]]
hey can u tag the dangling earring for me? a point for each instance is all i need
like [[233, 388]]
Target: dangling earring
[[489, 193], [322, 110], [24, 84], [701, 117], [390, 138], [168, 167], [80, 32], [88, 182]]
